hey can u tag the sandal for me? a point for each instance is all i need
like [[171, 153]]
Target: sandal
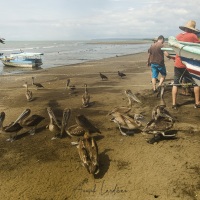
[[175, 107], [196, 105]]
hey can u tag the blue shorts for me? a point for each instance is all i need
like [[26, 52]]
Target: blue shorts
[[156, 69]]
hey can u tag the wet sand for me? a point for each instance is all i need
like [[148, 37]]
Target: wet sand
[[36, 167]]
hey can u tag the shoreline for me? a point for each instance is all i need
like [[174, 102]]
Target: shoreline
[[130, 168]]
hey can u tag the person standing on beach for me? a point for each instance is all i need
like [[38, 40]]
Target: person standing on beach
[[180, 71], [157, 63], [148, 62]]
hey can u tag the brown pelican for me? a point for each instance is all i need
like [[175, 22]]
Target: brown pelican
[[85, 98], [38, 85], [11, 130], [127, 124], [126, 109], [103, 77], [78, 130], [31, 122], [71, 88], [54, 126], [161, 121], [28, 94], [121, 74], [87, 148]]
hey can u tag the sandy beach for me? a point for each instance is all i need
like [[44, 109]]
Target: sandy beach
[[38, 168]]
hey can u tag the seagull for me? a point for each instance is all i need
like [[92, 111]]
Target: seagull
[[38, 85], [121, 74], [103, 77]]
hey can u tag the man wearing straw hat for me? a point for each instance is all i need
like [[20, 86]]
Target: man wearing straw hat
[[180, 71]]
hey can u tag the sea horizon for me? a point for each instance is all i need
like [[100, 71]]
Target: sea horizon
[[60, 53]]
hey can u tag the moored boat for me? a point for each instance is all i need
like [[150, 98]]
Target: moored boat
[[27, 60]]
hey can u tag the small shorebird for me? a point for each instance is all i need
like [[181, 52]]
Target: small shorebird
[[38, 85], [121, 74], [103, 77]]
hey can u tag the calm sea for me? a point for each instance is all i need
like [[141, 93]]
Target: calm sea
[[59, 53]]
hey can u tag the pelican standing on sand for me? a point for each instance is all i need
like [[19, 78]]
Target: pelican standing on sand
[[87, 148], [126, 109], [31, 122], [10, 130], [71, 88], [38, 85], [161, 121], [85, 98], [58, 129], [28, 94]]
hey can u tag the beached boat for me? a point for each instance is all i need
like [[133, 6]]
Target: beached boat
[[193, 67], [185, 49], [29, 60], [190, 56]]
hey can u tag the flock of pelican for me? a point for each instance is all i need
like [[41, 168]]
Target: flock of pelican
[[160, 122]]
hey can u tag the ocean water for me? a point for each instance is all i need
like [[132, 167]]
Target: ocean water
[[59, 53]]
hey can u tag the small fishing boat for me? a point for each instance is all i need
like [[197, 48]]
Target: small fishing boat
[[22, 59], [190, 56]]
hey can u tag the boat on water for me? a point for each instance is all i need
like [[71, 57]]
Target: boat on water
[[190, 56], [22, 59]]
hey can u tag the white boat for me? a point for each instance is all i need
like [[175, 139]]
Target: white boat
[[190, 56], [30, 60], [185, 49]]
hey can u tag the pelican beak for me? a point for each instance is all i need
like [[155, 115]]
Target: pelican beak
[[132, 96], [52, 116], [24, 115]]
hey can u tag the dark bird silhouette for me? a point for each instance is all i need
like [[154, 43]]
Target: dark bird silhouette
[[2, 40], [11, 130], [103, 77], [30, 122], [121, 74], [38, 85]]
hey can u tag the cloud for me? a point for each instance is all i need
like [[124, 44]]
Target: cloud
[[76, 19]]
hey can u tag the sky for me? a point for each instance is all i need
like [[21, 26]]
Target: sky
[[94, 19]]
